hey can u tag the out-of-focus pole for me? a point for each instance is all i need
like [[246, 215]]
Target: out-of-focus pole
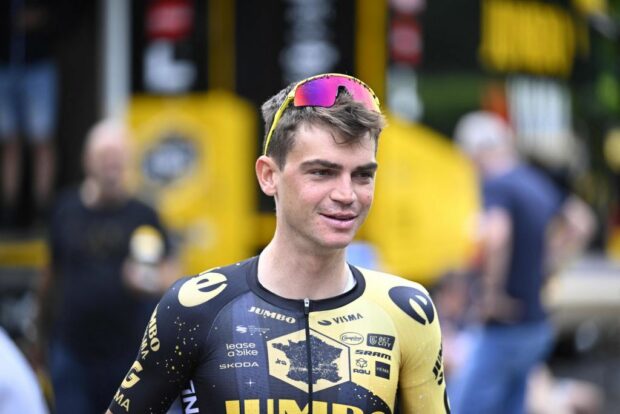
[[115, 39]]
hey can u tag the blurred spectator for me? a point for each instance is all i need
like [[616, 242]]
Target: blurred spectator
[[529, 229], [454, 308], [19, 389], [110, 260], [28, 100], [550, 395]]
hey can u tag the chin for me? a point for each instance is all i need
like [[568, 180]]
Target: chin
[[337, 242]]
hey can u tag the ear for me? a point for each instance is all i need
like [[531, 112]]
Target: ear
[[267, 174]]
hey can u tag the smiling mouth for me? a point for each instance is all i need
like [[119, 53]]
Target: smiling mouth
[[340, 217]]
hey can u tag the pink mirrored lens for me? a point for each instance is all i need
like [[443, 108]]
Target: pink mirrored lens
[[323, 92]]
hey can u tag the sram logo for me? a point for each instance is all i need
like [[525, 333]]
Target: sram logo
[[373, 354]]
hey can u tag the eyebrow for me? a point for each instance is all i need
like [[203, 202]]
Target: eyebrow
[[371, 166]]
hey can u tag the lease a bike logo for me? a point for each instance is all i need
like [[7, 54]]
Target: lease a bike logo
[[201, 289], [414, 303]]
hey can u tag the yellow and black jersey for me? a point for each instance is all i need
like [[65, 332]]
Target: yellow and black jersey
[[224, 344]]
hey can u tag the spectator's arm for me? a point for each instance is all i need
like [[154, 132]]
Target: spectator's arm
[[497, 244], [496, 239], [569, 234]]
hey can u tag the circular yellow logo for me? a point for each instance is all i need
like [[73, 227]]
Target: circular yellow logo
[[201, 289]]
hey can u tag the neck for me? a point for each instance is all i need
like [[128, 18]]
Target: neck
[[498, 165], [293, 274]]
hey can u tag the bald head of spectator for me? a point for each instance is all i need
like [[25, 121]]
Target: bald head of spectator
[[105, 160], [487, 139]]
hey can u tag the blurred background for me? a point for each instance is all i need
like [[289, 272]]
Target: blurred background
[[189, 77]]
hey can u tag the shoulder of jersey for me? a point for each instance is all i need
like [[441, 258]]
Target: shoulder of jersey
[[214, 286], [377, 280], [411, 298]]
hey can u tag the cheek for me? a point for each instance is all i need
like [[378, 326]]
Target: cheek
[[312, 193], [366, 195]]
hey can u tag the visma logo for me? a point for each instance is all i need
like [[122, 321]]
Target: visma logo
[[201, 289], [341, 319]]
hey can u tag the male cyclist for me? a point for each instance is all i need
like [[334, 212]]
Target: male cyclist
[[297, 329]]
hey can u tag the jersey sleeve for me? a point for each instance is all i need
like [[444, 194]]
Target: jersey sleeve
[[422, 387], [169, 350]]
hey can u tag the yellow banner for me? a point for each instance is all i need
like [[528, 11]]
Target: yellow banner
[[194, 161], [424, 217]]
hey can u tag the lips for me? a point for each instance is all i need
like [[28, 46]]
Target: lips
[[340, 216], [340, 220]]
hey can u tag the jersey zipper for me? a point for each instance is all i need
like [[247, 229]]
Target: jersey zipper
[[308, 353]]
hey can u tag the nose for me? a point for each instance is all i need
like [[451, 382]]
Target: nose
[[343, 192]]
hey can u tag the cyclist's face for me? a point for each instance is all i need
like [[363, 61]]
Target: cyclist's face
[[325, 189]]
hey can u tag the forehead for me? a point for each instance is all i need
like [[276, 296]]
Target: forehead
[[107, 143], [320, 142]]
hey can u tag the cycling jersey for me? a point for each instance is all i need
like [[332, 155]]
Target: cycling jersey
[[225, 344]]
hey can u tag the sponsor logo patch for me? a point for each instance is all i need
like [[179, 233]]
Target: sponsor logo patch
[[236, 365], [380, 341], [272, 315], [414, 303], [251, 329], [341, 319], [375, 354], [351, 338], [382, 370], [201, 289]]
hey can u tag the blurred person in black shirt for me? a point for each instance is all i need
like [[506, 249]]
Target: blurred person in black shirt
[[110, 260]]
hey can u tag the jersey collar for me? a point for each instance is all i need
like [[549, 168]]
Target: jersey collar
[[298, 304]]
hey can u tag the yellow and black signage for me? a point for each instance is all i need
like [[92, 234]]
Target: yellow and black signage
[[194, 158], [527, 36], [424, 215]]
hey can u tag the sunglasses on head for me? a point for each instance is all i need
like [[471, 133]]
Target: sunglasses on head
[[322, 91]]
